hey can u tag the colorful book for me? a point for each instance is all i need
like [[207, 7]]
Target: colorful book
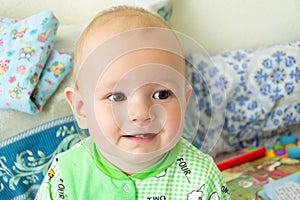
[[246, 180], [282, 189]]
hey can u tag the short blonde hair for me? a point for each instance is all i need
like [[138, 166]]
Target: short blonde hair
[[125, 19]]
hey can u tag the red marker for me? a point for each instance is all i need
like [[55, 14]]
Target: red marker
[[243, 158]]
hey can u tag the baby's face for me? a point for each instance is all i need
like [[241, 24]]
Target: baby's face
[[139, 102], [133, 92]]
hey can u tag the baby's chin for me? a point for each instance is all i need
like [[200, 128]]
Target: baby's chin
[[141, 155], [140, 148]]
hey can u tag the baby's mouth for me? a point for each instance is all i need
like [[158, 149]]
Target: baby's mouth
[[142, 135]]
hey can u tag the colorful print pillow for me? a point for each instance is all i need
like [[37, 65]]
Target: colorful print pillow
[[57, 67], [25, 46], [262, 89]]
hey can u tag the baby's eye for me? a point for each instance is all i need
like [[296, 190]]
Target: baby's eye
[[163, 94], [117, 97]]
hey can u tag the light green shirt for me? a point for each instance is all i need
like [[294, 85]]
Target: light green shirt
[[183, 173]]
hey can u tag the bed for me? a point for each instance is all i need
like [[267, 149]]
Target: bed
[[252, 47]]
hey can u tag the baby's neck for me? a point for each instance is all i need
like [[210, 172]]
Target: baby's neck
[[130, 168]]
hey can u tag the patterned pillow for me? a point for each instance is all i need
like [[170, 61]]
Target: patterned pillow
[[25, 48], [57, 67], [262, 88]]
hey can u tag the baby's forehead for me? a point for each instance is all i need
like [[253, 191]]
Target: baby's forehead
[[135, 68], [141, 58], [148, 67], [149, 56], [110, 24], [133, 56]]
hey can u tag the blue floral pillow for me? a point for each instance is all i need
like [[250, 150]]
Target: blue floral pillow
[[25, 47], [57, 67], [262, 89]]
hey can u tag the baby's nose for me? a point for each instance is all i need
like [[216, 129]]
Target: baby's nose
[[139, 111]]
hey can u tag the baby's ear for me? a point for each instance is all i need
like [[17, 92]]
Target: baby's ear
[[77, 104], [188, 92]]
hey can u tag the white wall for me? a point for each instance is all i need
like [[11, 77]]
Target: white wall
[[231, 24], [67, 11]]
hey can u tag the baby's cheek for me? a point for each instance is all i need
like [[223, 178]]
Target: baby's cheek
[[174, 119], [105, 118]]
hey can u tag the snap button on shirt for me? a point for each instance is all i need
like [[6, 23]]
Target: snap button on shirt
[[127, 188]]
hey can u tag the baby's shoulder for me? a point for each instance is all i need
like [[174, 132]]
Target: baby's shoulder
[[77, 151], [190, 152]]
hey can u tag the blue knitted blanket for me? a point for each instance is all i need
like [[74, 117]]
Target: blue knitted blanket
[[26, 157]]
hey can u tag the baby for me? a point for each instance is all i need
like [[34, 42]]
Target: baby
[[131, 94]]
